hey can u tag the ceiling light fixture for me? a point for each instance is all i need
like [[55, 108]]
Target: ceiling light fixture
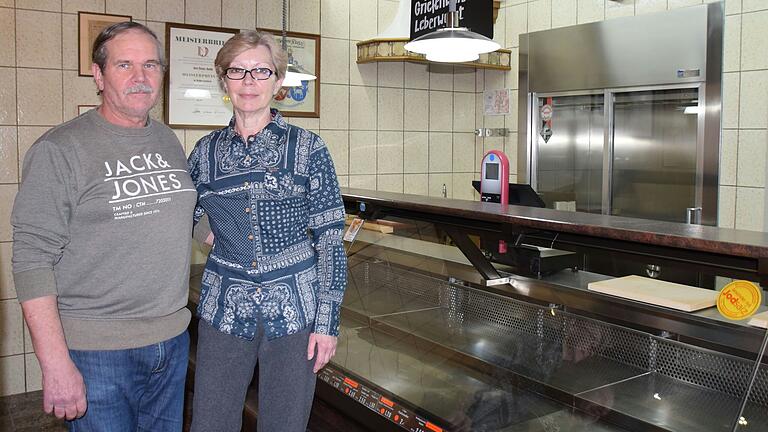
[[452, 44], [294, 75]]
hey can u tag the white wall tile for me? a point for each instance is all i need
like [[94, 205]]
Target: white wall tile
[[386, 14], [338, 144], [202, 12], [732, 43], [416, 184], [334, 106], [416, 115], [8, 106], [305, 16], [74, 6], [11, 334], [539, 15], [590, 11], [40, 95], [33, 373], [750, 208], [42, 5], [416, 76], [461, 186], [500, 29], [728, 157], [360, 74], [440, 152], [440, 111], [239, 14], [69, 42], [9, 158], [390, 153], [440, 182], [137, 9], [390, 183], [363, 181], [7, 37], [731, 6], [726, 207], [464, 79], [78, 91], [516, 23], [564, 13], [754, 40], [334, 18], [334, 61], [166, 10], [362, 103], [390, 109], [415, 152], [363, 23], [753, 101], [463, 112], [12, 375], [753, 5], [38, 39], [362, 152], [752, 158], [391, 74], [269, 14], [464, 153], [440, 77], [7, 288], [730, 113]]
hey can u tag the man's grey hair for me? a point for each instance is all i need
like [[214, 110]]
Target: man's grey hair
[[99, 52]]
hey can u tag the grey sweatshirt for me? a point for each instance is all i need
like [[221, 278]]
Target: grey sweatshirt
[[103, 220]]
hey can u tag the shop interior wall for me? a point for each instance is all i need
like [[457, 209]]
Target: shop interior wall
[[390, 126]]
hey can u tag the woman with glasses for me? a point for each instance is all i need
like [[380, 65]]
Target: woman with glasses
[[269, 203]]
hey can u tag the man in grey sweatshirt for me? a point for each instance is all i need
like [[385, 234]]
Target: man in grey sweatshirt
[[102, 226]]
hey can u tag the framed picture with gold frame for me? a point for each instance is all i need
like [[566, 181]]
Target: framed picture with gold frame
[[82, 109], [88, 28], [304, 53]]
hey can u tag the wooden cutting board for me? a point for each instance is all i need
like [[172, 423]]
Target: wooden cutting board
[[759, 320], [676, 296]]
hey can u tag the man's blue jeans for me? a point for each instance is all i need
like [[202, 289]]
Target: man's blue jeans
[[138, 389]]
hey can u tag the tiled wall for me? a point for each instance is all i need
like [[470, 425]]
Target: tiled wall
[[391, 126]]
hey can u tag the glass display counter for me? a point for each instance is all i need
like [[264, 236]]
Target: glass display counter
[[441, 333]]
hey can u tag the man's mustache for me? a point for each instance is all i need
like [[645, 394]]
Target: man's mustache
[[138, 88]]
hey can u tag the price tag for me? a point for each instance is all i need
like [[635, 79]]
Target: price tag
[[353, 229]]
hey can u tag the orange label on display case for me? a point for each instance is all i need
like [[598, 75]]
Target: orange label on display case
[[739, 299]]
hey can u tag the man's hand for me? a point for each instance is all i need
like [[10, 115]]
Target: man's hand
[[326, 348], [64, 391]]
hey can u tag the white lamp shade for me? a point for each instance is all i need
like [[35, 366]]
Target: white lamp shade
[[452, 45], [291, 80]]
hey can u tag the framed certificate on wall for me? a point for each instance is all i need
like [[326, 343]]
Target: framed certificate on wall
[[89, 25], [193, 97]]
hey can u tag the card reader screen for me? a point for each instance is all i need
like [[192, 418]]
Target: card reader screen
[[491, 171]]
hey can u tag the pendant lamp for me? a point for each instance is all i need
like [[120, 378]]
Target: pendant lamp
[[452, 44], [293, 75]]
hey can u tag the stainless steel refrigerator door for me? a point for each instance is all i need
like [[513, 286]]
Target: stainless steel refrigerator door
[[655, 142]]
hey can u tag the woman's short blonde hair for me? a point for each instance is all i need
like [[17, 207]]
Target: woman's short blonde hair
[[249, 39]]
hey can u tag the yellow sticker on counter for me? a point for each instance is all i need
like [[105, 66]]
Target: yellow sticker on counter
[[739, 299]]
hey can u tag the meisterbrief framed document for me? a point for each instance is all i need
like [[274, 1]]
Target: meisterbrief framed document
[[193, 97]]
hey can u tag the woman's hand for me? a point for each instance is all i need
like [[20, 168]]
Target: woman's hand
[[326, 348]]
